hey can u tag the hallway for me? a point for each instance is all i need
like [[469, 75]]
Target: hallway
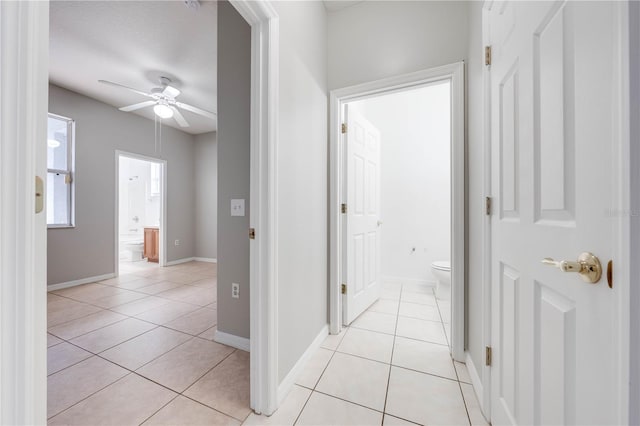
[[391, 366]]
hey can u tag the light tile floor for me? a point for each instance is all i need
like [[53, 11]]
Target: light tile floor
[[138, 349], [390, 367]]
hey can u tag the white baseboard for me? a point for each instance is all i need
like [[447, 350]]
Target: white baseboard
[[405, 280], [232, 340], [206, 259], [287, 383], [179, 261], [476, 382], [81, 281]]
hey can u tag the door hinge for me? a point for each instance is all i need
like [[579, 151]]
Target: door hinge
[[343, 289], [252, 233], [488, 204], [487, 55], [487, 355], [344, 128], [343, 208]]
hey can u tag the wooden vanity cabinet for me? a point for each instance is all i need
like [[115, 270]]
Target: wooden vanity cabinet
[[151, 244]]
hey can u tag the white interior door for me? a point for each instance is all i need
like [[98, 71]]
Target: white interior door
[[554, 100], [363, 215]]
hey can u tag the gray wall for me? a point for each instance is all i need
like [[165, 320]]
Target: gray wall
[[206, 199], [475, 188], [234, 100], [89, 249], [302, 179]]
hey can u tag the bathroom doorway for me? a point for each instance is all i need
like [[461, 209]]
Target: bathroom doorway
[[140, 212], [405, 189], [397, 246]]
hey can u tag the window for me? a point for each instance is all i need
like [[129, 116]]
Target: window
[[60, 187], [155, 179]]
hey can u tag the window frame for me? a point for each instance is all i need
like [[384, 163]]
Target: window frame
[[69, 173]]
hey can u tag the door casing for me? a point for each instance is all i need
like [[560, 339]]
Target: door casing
[[163, 205], [454, 73]]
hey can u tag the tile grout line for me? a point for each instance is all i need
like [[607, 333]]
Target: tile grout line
[[360, 405], [158, 410], [464, 401], [442, 323], [386, 394], [88, 396], [321, 374], [129, 371], [303, 407]]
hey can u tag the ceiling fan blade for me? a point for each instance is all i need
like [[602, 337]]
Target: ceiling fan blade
[[171, 91], [179, 118], [137, 106], [211, 115], [140, 92]]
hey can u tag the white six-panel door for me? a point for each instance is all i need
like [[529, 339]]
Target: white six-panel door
[[363, 215], [553, 121]]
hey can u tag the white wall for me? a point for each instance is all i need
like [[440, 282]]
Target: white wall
[[634, 45], [475, 188], [302, 179], [378, 39], [88, 250], [415, 179], [206, 180]]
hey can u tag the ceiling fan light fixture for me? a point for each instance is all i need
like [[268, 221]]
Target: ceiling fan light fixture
[[163, 111]]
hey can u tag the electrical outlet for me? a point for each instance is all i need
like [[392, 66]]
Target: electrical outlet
[[235, 290], [177, 242]]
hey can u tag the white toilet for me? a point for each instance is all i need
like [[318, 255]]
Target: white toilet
[[135, 248], [441, 269]]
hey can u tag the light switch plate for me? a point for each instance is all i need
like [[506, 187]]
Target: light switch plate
[[237, 207]]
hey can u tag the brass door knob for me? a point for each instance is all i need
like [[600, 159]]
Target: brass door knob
[[587, 265]]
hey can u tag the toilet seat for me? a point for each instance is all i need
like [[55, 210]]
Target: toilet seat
[[441, 265]]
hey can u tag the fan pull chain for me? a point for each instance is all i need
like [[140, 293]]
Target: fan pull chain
[[160, 138], [155, 134]]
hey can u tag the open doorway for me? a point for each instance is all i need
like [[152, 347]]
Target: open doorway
[[398, 206], [398, 185], [140, 201]]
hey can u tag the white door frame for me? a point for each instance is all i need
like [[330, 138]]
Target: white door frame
[[162, 261], [24, 86], [483, 389], [24, 93], [634, 79], [263, 250], [454, 73]]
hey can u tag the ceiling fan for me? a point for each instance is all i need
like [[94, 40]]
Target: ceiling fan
[[163, 100]]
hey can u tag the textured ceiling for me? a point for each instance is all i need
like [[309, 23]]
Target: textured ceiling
[[133, 43]]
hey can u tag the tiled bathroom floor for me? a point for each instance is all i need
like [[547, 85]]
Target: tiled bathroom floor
[[391, 366], [139, 349]]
